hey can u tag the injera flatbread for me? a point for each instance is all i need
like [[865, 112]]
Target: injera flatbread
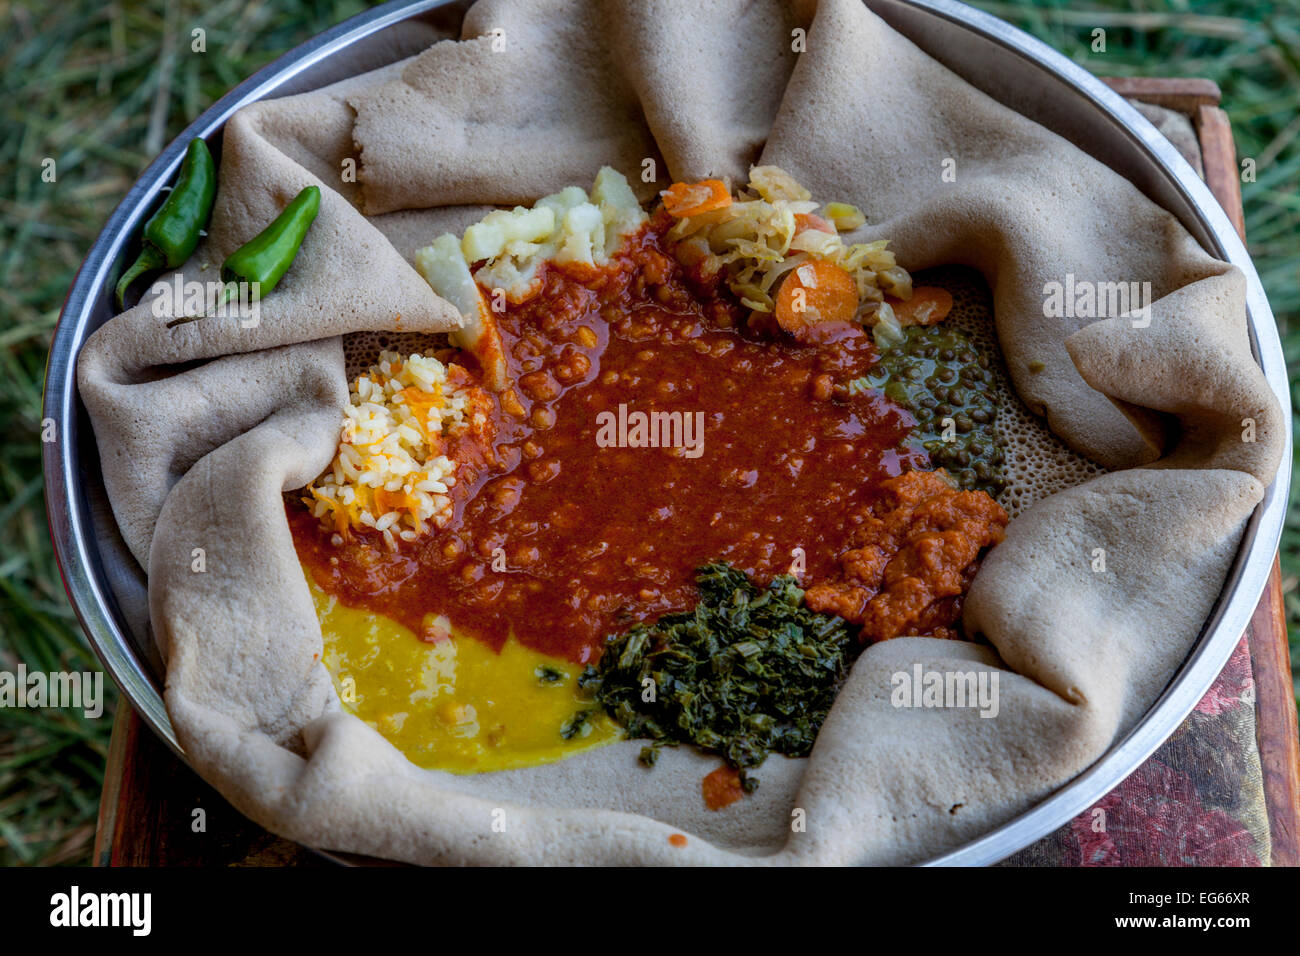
[[202, 428]]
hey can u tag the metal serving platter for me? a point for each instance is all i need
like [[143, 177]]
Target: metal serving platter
[[107, 588]]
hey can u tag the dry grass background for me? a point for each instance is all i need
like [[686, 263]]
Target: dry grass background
[[101, 87]]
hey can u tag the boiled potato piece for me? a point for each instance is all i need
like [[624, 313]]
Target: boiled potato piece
[[487, 239], [618, 207], [565, 227], [444, 267], [584, 235]]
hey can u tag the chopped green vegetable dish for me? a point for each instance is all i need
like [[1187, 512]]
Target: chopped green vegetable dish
[[749, 672]]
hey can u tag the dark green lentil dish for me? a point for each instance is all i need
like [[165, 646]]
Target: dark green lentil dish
[[937, 373]]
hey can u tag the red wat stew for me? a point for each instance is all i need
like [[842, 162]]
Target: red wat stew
[[597, 536]]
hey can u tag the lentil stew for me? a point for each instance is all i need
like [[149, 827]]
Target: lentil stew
[[561, 541]]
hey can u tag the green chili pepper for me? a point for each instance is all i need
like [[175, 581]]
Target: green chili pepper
[[265, 258], [170, 235]]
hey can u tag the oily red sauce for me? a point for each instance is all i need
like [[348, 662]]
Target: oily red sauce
[[597, 538]]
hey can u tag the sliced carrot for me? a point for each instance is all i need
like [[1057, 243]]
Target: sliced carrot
[[387, 501], [816, 292], [808, 220], [722, 788], [927, 306], [691, 199], [419, 401]]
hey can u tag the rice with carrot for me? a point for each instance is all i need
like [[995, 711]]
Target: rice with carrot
[[393, 471]]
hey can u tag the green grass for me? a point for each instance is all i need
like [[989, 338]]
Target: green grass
[[101, 87]]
